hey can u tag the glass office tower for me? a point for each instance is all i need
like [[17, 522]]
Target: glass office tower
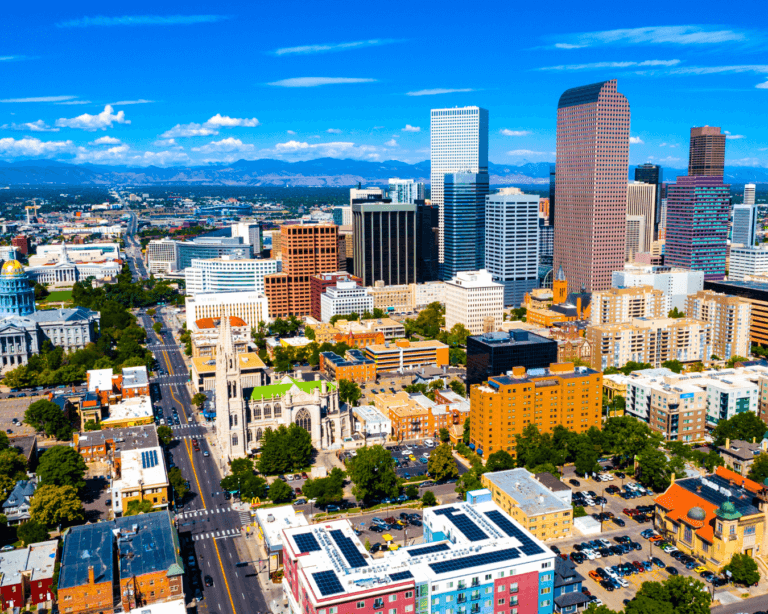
[[463, 223]]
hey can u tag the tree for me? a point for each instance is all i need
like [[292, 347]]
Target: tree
[[372, 472], [280, 492], [655, 469], [743, 569], [500, 461], [673, 365], [412, 491], [444, 434], [442, 465], [13, 465], [91, 425], [676, 595], [428, 499], [626, 436], [586, 458], [734, 359], [138, 506], [470, 481], [458, 388], [252, 487], [198, 399], [32, 532], [349, 392], [151, 313], [177, 482], [46, 416], [157, 327], [466, 432], [164, 434], [745, 426], [325, 490], [285, 449], [62, 466], [52, 505], [40, 292], [676, 313], [599, 609], [309, 333]]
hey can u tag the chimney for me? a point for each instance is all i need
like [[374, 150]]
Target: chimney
[[91, 575], [672, 479], [727, 444]]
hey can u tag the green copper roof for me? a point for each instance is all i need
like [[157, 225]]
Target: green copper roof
[[278, 390], [728, 511]]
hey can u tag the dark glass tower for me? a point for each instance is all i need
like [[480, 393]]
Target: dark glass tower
[[652, 173], [427, 236], [463, 222]]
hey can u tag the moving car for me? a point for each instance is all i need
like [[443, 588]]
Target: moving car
[[208, 581]]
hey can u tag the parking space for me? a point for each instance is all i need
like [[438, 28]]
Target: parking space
[[411, 459], [15, 408]]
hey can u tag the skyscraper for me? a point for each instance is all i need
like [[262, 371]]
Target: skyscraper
[[427, 228], [591, 176], [744, 225], [652, 173], [405, 191], [552, 190], [464, 223], [458, 144], [706, 157], [640, 202], [512, 242], [749, 194]]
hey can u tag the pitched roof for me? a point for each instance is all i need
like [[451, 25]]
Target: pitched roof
[[278, 390], [206, 323], [749, 485], [679, 501]]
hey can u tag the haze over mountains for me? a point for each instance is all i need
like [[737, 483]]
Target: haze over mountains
[[268, 172]]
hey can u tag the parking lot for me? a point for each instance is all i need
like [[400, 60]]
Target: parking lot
[[15, 408]]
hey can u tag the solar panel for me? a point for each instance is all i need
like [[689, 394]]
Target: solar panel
[[428, 549], [475, 560], [527, 545], [327, 583], [149, 459], [348, 549], [400, 575], [306, 542], [471, 531]]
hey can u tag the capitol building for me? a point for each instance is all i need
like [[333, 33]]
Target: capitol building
[[23, 329]]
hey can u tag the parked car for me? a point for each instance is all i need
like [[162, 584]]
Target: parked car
[[672, 571]]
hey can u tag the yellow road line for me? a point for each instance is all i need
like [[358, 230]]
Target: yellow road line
[[224, 575]]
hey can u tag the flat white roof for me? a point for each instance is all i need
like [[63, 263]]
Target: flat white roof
[[273, 520], [99, 378], [136, 407], [142, 467]]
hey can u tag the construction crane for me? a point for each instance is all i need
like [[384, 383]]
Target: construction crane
[[33, 207]]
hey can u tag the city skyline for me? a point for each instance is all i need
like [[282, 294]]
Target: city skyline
[[176, 85]]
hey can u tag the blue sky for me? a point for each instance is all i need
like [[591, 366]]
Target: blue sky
[[171, 83]]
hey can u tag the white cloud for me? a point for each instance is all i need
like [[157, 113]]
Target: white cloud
[[126, 102], [602, 65], [331, 47], [762, 86], [224, 145], [112, 154], [106, 140], [668, 35], [507, 132], [141, 20], [378, 127], [304, 151], [12, 58], [316, 81], [91, 123], [163, 158], [525, 152], [40, 99], [745, 162], [210, 127], [333, 131], [71, 102], [436, 91], [165, 142], [713, 70], [290, 132], [669, 159], [180, 130], [635, 140], [409, 128], [730, 136], [31, 147], [232, 122], [36, 126], [391, 143]]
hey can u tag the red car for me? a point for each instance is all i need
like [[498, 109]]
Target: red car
[[639, 566]]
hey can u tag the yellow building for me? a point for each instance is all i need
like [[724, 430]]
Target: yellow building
[[324, 333], [406, 354], [252, 371], [545, 308], [519, 493], [140, 475], [504, 405], [695, 516]]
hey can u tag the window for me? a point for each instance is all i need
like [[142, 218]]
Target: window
[[513, 587], [501, 601], [488, 576], [501, 588], [545, 603], [360, 605], [409, 608], [334, 610], [409, 595], [546, 590], [392, 598], [392, 610], [688, 534]]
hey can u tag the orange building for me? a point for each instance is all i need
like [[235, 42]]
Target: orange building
[[359, 340], [414, 416], [354, 367], [561, 395], [406, 354], [307, 250]]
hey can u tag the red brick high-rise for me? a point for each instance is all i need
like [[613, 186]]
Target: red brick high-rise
[[320, 283], [306, 251], [21, 243], [591, 179], [706, 155]]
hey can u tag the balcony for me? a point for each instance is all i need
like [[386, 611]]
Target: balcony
[[378, 604], [462, 599], [462, 585], [475, 581], [476, 596], [475, 608]]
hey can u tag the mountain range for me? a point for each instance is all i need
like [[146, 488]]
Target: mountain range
[[268, 172]]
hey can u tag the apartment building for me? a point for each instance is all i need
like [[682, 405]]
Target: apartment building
[[496, 353], [747, 260], [739, 455], [676, 284], [392, 298], [404, 354], [649, 340], [474, 300], [27, 577], [559, 395], [354, 366], [318, 284], [415, 416], [756, 294], [344, 298], [391, 329], [205, 336], [617, 305], [730, 318]]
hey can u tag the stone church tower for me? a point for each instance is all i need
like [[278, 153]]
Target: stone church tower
[[230, 408]]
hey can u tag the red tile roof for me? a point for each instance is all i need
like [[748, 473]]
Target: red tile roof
[[679, 502], [204, 323], [727, 474]]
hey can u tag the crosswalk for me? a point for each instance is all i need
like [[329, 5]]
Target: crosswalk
[[198, 436], [206, 512], [216, 534], [183, 426], [245, 517]]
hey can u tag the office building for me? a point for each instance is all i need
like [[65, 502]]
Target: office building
[[558, 395], [354, 367], [552, 192], [653, 341], [706, 155], [21, 243], [496, 353], [474, 300], [344, 298], [756, 294], [676, 284], [747, 260], [427, 240], [404, 354], [7, 252], [307, 250], [546, 241], [472, 554], [653, 174], [641, 202], [342, 216], [318, 284], [463, 209], [385, 242], [619, 305], [744, 227], [749, 194], [592, 141], [251, 233], [251, 307], [697, 225], [405, 191], [167, 255], [228, 275], [365, 194], [458, 144], [635, 236], [512, 242], [730, 318], [162, 256]]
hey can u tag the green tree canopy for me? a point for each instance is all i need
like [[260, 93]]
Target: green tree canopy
[[164, 434], [62, 466], [466, 433], [349, 392], [52, 505], [500, 461], [444, 435], [458, 388], [372, 472], [743, 569], [32, 532], [673, 365], [758, 472], [676, 313], [178, 482], [655, 469], [746, 426], [442, 465], [285, 449], [326, 490], [676, 595], [138, 506], [280, 492], [428, 499], [198, 399], [46, 416]]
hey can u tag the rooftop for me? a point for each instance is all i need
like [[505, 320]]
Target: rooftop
[[405, 345], [135, 407], [211, 323], [205, 365], [743, 450], [135, 377], [353, 357], [100, 379], [551, 482], [369, 414], [514, 337], [532, 497], [286, 384], [129, 438], [39, 559], [274, 519]]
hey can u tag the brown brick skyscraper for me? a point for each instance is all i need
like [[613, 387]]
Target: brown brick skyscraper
[[307, 251], [706, 156], [591, 179]]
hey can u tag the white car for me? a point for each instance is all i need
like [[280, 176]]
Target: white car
[[623, 582], [612, 574], [589, 554], [597, 603], [429, 443], [605, 542], [405, 453]]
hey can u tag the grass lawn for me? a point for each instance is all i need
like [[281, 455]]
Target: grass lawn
[[58, 296]]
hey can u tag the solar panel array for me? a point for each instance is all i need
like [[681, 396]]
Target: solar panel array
[[348, 549], [471, 531], [528, 546], [306, 542], [400, 575], [327, 583], [149, 459], [428, 550], [476, 560]]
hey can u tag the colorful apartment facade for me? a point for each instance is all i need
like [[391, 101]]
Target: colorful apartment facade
[[404, 354]]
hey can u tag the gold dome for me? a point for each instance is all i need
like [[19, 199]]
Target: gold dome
[[12, 267]]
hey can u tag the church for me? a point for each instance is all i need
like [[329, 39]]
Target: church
[[243, 414]]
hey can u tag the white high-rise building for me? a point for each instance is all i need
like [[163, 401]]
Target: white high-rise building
[[677, 284], [749, 193], [641, 201], [365, 194], [251, 233], [251, 307], [405, 191], [344, 298], [512, 242], [458, 144], [162, 256], [228, 275], [747, 260], [475, 300], [744, 225]]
